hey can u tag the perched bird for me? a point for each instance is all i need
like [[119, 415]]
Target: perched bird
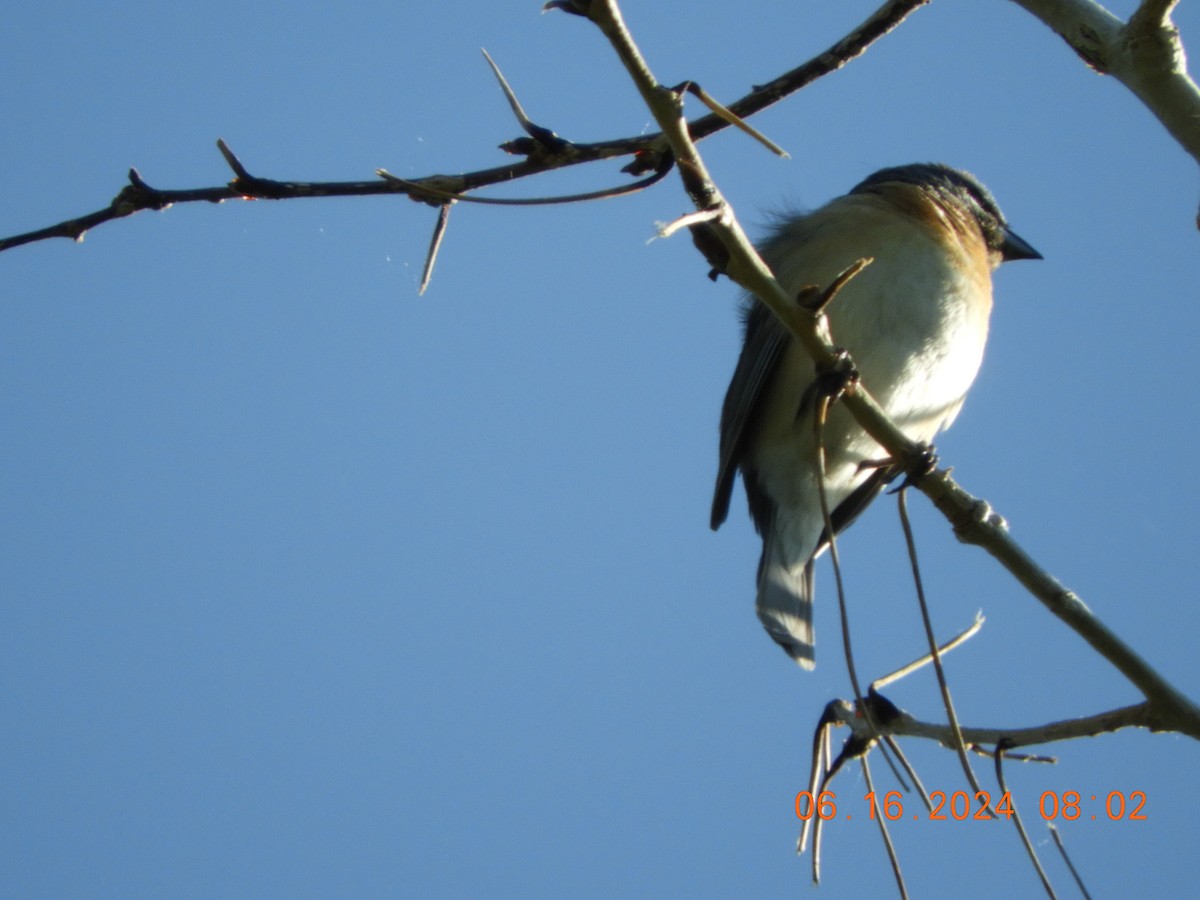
[[915, 323]]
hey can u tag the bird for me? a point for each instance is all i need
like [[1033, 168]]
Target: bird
[[914, 322]]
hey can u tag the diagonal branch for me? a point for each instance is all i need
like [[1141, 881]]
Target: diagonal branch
[[1145, 54], [1019, 825]]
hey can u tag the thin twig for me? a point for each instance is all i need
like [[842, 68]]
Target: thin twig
[[980, 750], [646, 149], [881, 821], [881, 22], [902, 724], [918, 785], [822, 409], [1016, 816], [421, 191], [821, 755], [922, 661], [1067, 859], [934, 652]]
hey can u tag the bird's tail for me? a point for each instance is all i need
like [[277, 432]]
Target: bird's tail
[[784, 606]]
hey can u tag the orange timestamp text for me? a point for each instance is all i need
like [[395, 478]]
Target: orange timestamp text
[[961, 805]]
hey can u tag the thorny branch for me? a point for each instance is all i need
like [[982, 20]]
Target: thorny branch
[[542, 151]]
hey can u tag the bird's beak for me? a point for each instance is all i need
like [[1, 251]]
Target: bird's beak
[[1016, 247]]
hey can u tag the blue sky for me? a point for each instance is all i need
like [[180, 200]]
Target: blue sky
[[313, 587]]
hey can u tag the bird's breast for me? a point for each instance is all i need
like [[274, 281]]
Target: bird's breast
[[915, 321]]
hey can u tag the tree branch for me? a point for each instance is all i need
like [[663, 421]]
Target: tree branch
[[895, 722], [541, 154], [1145, 54]]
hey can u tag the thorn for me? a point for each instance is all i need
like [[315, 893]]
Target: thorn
[[435, 244], [724, 113], [233, 162], [543, 136], [666, 229], [842, 279], [574, 7]]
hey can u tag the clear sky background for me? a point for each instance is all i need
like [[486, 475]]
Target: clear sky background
[[313, 587]]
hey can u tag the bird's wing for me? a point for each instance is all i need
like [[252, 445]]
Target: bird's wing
[[766, 342], [849, 509]]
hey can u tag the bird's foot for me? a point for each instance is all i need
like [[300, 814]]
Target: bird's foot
[[836, 378]]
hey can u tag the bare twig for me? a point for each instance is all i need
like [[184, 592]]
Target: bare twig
[[880, 23], [821, 756], [921, 662], [903, 724], [975, 523], [960, 745], [1145, 54], [1067, 859], [822, 409], [981, 750], [647, 150], [1016, 816], [881, 821], [422, 190], [918, 786]]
